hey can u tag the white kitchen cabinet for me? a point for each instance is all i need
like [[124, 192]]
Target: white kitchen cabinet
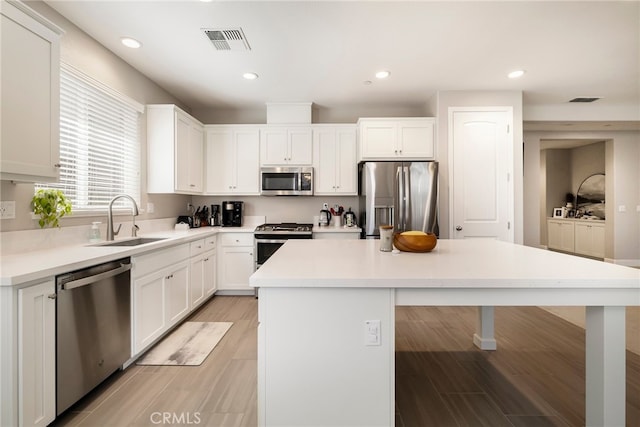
[[160, 293], [30, 96], [202, 283], [235, 262], [175, 149], [286, 146], [232, 160], [397, 138], [335, 160], [36, 354], [589, 239], [560, 235]]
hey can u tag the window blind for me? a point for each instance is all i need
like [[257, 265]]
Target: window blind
[[99, 145]]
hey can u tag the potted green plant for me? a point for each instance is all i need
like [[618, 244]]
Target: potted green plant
[[50, 205]]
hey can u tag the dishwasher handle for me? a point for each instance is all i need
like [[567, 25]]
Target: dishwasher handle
[[96, 277]]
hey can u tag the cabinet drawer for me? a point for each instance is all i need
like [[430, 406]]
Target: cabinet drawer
[[236, 239], [197, 247], [210, 243], [145, 264]]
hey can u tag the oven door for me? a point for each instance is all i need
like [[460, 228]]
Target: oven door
[[264, 248]]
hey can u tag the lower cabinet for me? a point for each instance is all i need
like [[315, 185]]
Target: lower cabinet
[[160, 296], [235, 261], [36, 355], [560, 235], [589, 239], [579, 237], [203, 268]]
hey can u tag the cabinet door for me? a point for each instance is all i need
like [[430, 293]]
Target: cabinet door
[[247, 161], [560, 235], [181, 171], [347, 166], [326, 153], [236, 265], [30, 97], [378, 139], [300, 143], [36, 355], [274, 147], [220, 162], [196, 283], [176, 284], [583, 239], [195, 153], [149, 309], [209, 276], [416, 139], [597, 240]]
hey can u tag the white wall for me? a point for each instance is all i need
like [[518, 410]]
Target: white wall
[[446, 99]]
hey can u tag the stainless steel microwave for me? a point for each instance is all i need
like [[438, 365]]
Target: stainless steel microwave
[[286, 181]]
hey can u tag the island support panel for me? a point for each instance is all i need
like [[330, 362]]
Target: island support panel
[[316, 363]]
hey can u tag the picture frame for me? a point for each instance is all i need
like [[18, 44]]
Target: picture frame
[[558, 212]]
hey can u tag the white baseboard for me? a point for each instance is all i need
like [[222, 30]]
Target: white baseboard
[[627, 262]]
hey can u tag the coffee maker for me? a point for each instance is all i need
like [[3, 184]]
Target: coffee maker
[[232, 214]]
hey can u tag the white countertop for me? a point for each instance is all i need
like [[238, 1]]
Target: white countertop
[[452, 264], [19, 268]]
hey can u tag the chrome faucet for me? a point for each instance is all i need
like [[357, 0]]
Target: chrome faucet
[[134, 212]]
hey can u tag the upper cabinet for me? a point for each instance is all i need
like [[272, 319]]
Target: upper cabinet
[[335, 160], [397, 138], [232, 160], [30, 95], [175, 147], [286, 146]]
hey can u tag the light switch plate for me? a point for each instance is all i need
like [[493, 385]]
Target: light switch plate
[[7, 210], [371, 332]]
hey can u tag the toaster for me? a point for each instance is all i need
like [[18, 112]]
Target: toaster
[[185, 219]]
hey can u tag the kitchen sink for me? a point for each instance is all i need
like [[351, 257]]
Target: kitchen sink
[[133, 242]]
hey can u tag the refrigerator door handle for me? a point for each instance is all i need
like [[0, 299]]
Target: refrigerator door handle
[[406, 202], [399, 199]]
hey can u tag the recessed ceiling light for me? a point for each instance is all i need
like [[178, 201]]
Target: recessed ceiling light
[[515, 74], [250, 76], [382, 74], [129, 42]]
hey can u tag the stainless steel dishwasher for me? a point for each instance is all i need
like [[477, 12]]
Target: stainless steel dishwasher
[[93, 328]]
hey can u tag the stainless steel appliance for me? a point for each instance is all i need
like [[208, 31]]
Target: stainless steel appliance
[[232, 214], [402, 194], [269, 237], [325, 215], [93, 328], [215, 215], [286, 181]]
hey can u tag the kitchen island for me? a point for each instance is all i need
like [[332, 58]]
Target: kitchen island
[[326, 344]]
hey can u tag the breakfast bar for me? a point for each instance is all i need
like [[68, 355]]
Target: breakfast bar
[[338, 369]]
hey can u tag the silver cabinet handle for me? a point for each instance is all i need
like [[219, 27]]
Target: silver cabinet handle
[[458, 228], [52, 296]]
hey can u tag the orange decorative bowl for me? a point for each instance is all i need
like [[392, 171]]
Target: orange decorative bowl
[[415, 242]]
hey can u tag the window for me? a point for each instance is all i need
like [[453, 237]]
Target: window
[[99, 144]]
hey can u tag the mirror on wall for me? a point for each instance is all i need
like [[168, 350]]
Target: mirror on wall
[[590, 199]]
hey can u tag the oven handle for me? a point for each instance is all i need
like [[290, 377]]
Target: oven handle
[[271, 240], [97, 277]]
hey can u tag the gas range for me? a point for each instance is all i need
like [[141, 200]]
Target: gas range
[[285, 230]]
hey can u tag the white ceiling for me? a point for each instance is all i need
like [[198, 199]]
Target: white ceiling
[[323, 52]]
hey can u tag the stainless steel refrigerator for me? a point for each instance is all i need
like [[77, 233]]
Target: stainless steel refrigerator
[[402, 194]]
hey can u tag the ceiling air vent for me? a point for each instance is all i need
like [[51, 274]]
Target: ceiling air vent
[[585, 99], [227, 39]]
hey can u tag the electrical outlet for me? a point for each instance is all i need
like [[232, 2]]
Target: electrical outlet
[[150, 207], [7, 210], [189, 207]]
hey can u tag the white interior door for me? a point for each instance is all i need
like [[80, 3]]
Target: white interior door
[[481, 168]]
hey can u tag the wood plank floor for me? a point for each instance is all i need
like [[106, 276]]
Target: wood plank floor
[[536, 378]]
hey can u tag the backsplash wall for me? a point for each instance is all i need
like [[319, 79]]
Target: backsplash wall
[[300, 209]]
